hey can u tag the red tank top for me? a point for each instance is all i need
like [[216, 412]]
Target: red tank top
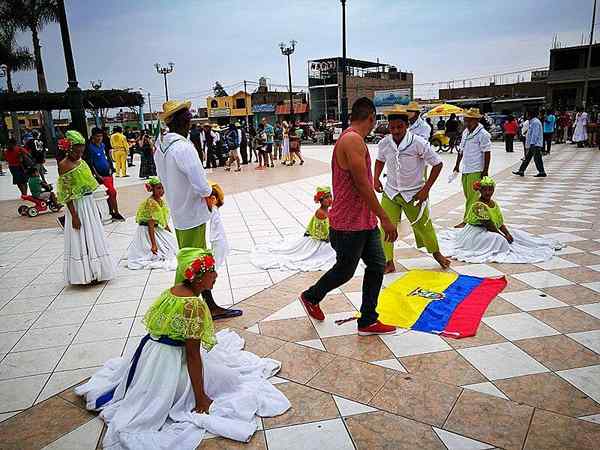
[[349, 211]]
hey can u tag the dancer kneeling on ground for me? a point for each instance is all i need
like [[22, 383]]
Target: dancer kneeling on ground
[[406, 154], [485, 237], [308, 253], [154, 246], [183, 380], [87, 257]]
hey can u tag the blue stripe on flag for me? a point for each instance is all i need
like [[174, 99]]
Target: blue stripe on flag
[[436, 315]]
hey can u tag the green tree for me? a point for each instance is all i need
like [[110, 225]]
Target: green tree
[[14, 59], [33, 16]]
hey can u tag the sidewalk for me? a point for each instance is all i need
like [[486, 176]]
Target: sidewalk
[[529, 379]]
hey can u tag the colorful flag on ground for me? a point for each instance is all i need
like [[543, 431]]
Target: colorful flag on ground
[[438, 302]]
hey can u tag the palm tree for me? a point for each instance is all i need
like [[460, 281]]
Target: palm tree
[[14, 59], [33, 15]]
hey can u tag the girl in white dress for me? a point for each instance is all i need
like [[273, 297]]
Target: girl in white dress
[[87, 257], [154, 246], [218, 239], [183, 380], [485, 237], [308, 253]]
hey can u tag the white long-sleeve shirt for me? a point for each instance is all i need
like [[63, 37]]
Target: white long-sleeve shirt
[[182, 174], [406, 164], [420, 128]]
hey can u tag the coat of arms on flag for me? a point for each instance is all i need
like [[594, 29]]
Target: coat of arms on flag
[[438, 302]]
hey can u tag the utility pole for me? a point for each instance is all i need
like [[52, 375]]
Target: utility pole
[[287, 51], [589, 59], [164, 71], [344, 97], [246, 103], [325, 95], [74, 93]]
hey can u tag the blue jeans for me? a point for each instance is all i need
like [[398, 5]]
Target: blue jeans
[[350, 247]]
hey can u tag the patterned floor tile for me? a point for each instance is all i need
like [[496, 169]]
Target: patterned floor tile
[[414, 343], [550, 431], [310, 436], [448, 367], [299, 363], [498, 361], [531, 300], [351, 408], [454, 441], [592, 309], [574, 295], [417, 397], [485, 418], [568, 319], [579, 274], [559, 352], [308, 405], [519, 326], [586, 379], [290, 330], [478, 270], [550, 392], [381, 430], [485, 335], [364, 348], [541, 280], [351, 379], [257, 442], [486, 388]]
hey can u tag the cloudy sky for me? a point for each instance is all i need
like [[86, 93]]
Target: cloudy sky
[[118, 41]]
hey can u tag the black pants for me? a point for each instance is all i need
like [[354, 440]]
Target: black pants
[[350, 247], [548, 141], [508, 142], [535, 153], [211, 160], [244, 153]]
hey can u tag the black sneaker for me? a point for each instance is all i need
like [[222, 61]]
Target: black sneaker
[[118, 217], [540, 175], [521, 174]]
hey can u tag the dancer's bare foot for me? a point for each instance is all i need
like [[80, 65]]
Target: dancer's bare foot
[[460, 225], [389, 267], [441, 259]]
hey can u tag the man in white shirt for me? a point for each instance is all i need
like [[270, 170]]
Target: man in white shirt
[[406, 156], [186, 187], [475, 153], [417, 125]]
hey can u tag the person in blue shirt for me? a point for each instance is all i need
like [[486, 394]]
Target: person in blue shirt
[[534, 144], [270, 133], [97, 156], [549, 127]]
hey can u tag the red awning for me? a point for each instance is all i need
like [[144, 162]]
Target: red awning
[[299, 108]]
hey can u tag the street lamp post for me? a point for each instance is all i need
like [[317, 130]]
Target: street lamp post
[[149, 108], [344, 97], [96, 85], [589, 59], [287, 51], [73, 91], [164, 71]]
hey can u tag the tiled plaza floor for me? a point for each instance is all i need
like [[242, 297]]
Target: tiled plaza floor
[[529, 379]]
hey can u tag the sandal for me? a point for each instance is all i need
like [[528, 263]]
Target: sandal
[[228, 314]]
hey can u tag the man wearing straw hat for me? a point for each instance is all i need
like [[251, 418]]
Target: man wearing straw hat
[[417, 125], [406, 155], [186, 187], [475, 153]]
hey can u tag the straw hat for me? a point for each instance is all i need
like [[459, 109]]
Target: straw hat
[[396, 109], [472, 113], [172, 106], [413, 107], [218, 190]]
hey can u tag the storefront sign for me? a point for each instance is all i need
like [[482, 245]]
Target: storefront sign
[[391, 97], [318, 68], [219, 112], [264, 108]]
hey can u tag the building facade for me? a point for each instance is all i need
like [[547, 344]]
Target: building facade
[[230, 108], [363, 78], [535, 88], [566, 76], [269, 105]]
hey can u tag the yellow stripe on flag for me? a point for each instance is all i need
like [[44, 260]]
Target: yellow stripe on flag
[[397, 307]]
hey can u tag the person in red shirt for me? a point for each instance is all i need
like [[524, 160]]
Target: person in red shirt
[[14, 156], [354, 234], [511, 127]]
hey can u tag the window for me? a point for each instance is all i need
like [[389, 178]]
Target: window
[[35, 122], [240, 103], [403, 76], [214, 104], [21, 121]]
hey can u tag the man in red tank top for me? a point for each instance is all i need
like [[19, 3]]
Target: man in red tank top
[[354, 234]]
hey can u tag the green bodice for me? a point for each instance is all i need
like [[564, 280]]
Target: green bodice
[[181, 318], [318, 228], [480, 213], [150, 209], [76, 183]]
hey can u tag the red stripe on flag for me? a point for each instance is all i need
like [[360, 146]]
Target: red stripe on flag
[[466, 317]]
